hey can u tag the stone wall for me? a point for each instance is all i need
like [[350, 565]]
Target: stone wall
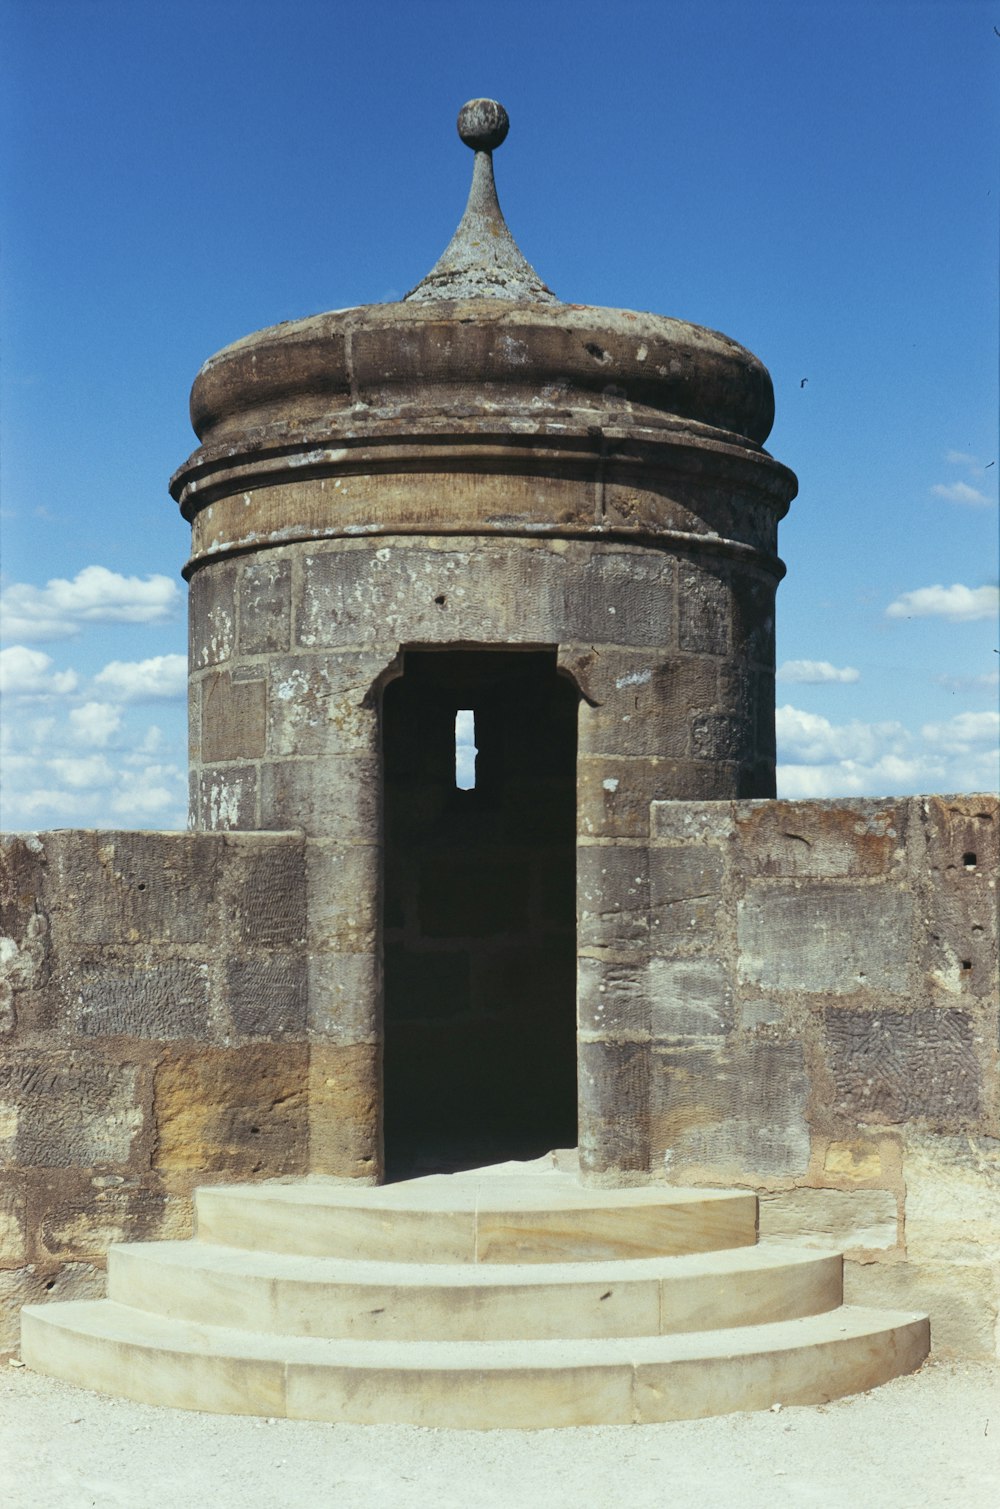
[[802, 997], [797, 997], [152, 1012]]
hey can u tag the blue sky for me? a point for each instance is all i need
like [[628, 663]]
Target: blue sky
[[818, 181]]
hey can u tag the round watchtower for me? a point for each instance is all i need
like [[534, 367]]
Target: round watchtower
[[554, 520]]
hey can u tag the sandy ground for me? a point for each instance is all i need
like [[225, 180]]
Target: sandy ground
[[932, 1439]]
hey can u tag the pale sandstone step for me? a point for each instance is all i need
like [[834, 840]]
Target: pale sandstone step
[[307, 1296], [484, 1384], [496, 1218]]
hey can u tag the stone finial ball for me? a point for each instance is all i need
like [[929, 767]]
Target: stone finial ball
[[483, 124]]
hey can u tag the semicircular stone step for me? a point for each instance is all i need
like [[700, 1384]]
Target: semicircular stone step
[[443, 1219], [338, 1297], [482, 1385]]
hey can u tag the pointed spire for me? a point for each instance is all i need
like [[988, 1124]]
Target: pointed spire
[[482, 259]]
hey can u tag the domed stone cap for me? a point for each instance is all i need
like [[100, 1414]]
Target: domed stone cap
[[395, 415]]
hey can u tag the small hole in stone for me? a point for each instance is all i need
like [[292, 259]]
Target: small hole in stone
[[441, 600], [254, 1131], [966, 963], [51, 1284], [596, 351], [969, 861], [141, 886]]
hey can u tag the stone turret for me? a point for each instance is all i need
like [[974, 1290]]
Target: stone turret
[[556, 517]]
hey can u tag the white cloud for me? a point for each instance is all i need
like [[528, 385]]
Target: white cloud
[[95, 723], [816, 672], [986, 683], [141, 680], [961, 492], [95, 595], [28, 673], [963, 731], [149, 792], [957, 604], [817, 758], [81, 771]]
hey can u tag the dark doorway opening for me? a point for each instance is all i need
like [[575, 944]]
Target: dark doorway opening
[[479, 924]]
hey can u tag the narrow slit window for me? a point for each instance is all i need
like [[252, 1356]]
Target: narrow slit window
[[465, 749]]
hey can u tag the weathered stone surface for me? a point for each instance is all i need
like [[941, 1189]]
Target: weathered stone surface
[[863, 1219], [212, 614], [612, 895], [237, 1110], [961, 1298], [323, 704], [67, 1107], [129, 888], [728, 1109], [344, 1112], [689, 998], [335, 798], [225, 797], [344, 895], [614, 1098], [23, 1286], [704, 598], [265, 603], [952, 1198], [267, 997], [233, 718], [161, 1000], [13, 1229], [829, 938], [265, 891], [685, 888], [897, 1066], [613, 998], [345, 992], [823, 839]]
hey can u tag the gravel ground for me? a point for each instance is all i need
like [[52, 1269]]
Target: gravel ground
[[932, 1439]]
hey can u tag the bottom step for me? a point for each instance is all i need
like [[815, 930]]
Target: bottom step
[[472, 1384]]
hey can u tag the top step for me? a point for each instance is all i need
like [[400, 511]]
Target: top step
[[480, 1218]]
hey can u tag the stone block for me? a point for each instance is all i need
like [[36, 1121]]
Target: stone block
[[264, 894], [689, 998], [323, 705], [644, 707], [612, 895], [265, 603], [75, 1215], [685, 894], [613, 998], [345, 993], [13, 1230], [128, 888], [852, 839], [952, 1198], [825, 937], [723, 736], [61, 1107], [226, 798], [335, 799], [37, 1286], [267, 997], [620, 597], [344, 1116], [614, 796], [142, 998], [753, 616], [861, 1219], [894, 1066], [704, 608], [614, 1106], [692, 822], [236, 1111], [344, 886], [961, 1298], [212, 615], [731, 1111], [233, 718]]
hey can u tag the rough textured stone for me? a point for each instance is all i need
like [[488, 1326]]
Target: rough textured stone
[[823, 839], [238, 1111], [829, 938], [212, 615], [265, 603], [61, 1107], [897, 1066], [233, 718], [168, 999], [962, 1300], [267, 997], [864, 1219]]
